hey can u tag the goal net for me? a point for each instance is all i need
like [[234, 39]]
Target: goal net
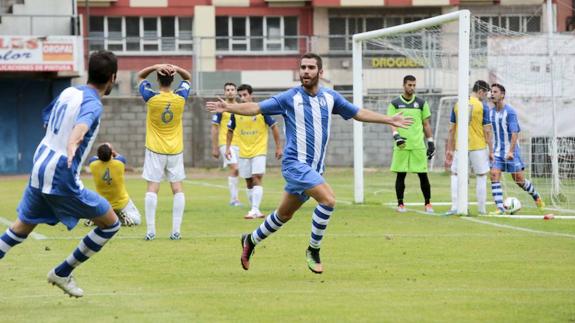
[[431, 49]]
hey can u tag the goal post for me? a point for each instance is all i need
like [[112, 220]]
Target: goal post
[[359, 40]]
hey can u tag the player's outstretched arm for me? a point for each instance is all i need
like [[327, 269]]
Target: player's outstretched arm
[[397, 120], [245, 109], [74, 140]]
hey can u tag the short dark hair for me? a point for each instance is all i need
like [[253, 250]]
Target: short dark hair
[[480, 85], [165, 80], [101, 66], [408, 78], [230, 83], [499, 86], [104, 152], [246, 87], [315, 56]]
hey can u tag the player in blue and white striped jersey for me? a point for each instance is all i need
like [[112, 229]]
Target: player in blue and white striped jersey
[[55, 192], [307, 112], [505, 153]]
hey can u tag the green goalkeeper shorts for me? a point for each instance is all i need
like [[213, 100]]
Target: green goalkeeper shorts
[[409, 161]]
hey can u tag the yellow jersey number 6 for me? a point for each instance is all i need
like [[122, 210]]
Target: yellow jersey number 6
[[167, 115]]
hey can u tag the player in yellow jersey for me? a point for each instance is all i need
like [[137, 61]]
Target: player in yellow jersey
[[108, 169], [252, 135], [219, 133], [164, 141], [479, 141]]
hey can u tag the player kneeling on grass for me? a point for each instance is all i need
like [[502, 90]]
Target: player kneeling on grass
[[108, 172], [55, 192], [506, 156]]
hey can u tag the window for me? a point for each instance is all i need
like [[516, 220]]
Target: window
[[256, 34], [141, 34], [341, 30]]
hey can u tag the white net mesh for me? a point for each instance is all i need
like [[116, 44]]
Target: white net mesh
[[537, 82]]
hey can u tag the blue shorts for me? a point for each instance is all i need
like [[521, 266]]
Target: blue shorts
[[299, 178], [509, 166], [37, 207]]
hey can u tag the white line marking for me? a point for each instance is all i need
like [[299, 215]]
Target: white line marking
[[511, 227], [528, 216], [434, 203], [34, 235], [243, 189], [263, 291]]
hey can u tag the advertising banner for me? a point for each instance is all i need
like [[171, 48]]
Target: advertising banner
[[41, 54]]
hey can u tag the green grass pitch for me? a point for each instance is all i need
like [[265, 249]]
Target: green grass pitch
[[380, 266]]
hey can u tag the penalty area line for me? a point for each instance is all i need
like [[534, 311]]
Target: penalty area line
[[512, 227]]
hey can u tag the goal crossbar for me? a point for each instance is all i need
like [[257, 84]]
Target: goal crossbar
[[464, 19]]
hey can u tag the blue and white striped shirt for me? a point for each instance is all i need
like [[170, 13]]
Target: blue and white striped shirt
[[504, 124], [50, 172], [307, 122]]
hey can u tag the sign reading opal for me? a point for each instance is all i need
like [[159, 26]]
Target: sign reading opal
[[41, 54]]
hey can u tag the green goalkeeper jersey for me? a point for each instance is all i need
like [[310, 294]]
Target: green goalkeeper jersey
[[416, 108]]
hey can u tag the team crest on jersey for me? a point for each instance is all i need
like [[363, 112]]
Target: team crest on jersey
[[416, 105], [254, 118], [322, 102]]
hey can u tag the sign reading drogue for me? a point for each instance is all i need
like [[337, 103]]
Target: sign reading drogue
[[394, 62], [41, 54]]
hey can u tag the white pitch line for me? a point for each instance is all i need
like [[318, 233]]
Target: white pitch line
[[526, 216], [34, 235], [434, 203], [511, 227], [267, 191]]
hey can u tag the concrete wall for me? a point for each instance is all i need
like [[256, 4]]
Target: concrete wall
[[123, 124]]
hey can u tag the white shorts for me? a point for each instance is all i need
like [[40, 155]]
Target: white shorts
[[132, 211], [479, 160], [156, 166], [252, 166], [235, 153]]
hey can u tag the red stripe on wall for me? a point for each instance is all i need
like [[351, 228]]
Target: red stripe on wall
[[136, 63], [238, 63], [149, 12], [326, 3], [398, 3], [263, 11]]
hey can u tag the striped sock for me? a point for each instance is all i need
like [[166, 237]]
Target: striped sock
[[270, 225], [319, 222], [92, 243], [529, 188], [497, 192], [8, 240]]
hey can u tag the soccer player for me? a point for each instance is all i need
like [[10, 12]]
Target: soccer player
[[505, 153], [219, 134], [253, 143], [107, 170], [164, 142], [409, 153], [479, 143], [55, 192], [307, 111]]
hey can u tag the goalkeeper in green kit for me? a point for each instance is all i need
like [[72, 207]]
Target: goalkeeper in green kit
[[410, 153]]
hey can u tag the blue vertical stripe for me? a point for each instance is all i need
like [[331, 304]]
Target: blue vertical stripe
[[325, 133], [310, 136], [43, 168]]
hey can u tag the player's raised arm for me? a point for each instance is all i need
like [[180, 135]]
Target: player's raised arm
[[245, 109], [397, 120], [185, 75], [143, 73]]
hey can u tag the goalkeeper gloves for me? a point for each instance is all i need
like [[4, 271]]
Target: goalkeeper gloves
[[399, 140], [430, 148]]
